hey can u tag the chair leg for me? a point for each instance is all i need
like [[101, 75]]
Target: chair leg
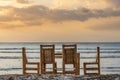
[[63, 70], [78, 64], [55, 68], [42, 68], [75, 69], [84, 69], [39, 68], [24, 70], [38, 71], [98, 69]]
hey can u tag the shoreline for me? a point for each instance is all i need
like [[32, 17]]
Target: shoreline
[[59, 77]]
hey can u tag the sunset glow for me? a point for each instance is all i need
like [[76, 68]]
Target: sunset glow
[[59, 20]]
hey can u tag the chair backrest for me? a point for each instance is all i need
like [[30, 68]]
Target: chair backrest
[[47, 53], [98, 55], [24, 55], [69, 53]]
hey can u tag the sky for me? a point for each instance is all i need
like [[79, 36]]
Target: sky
[[59, 20]]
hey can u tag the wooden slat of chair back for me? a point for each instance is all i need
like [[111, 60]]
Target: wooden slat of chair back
[[69, 53], [74, 47], [47, 53]]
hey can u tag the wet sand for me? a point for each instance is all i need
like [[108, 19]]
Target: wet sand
[[59, 77]]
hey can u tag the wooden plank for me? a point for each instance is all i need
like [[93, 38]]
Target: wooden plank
[[91, 73], [78, 64], [58, 56], [91, 68], [31, 68], [30, 73], [70, 72], [33, 63], [23, 60], [98, 52], [90, 63]]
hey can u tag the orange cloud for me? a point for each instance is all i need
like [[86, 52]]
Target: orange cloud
[[115, 3], [37, 15], [22, 1]]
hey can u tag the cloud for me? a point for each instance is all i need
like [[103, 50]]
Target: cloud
[[22, 1], [36, 15], [115, 3]]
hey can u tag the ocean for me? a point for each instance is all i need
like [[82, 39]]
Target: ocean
[[11, 55]]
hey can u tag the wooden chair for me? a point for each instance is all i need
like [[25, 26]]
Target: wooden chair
[[71, 57], [25, 63], [48, 57], [93, 68]]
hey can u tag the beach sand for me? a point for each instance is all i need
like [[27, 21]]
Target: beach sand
[[59, 77]]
